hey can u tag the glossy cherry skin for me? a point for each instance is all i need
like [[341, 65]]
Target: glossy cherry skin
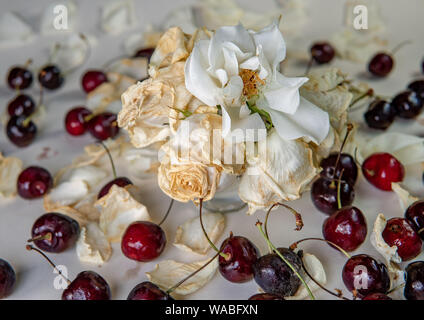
[[366, 274], [346, 227], [50, 77], [407, 104], [144, 53], [88, 285], [380, 115], [418, 87], [346, 163], [21, 105], [274, 276], [381, 65], [75, 121], [60, 232], [265, 296], [143, 241], [322, 52], [120, 182], [7, 279], [381, 169], [243, 254], [415, 215], [414, 286], [103, 126], [92, 79], [20, 133], [34, 182], [399, 232], [19, 78], [377, 296], [324, 194], [148, 291]]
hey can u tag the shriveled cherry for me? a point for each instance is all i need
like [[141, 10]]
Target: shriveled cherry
[[381, 169], [34, 182]]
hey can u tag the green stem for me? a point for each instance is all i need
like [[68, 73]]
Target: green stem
[[339, 200]]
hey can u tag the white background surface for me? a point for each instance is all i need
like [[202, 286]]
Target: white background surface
[[35, 277]]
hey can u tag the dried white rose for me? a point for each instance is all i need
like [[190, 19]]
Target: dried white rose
[[92, 245], [405, 198], [10, 169]]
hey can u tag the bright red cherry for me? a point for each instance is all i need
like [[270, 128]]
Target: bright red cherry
[[143, 241], [75, 121], [381, 169], [148, 291], [345, 163], [346, 227], [322, 52], [415, 215], [120, 182], [92, 79], [34, 182], [381, 64], [377, 296], [88, 285], [19, 78], [50, 77], [265, 296], [242, 254], [103, 126], [7, 279], [21, 105], [398, 232], [21, 131], [55, 232]]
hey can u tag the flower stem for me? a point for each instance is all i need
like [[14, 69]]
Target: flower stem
[[167, 212], [110, 158], [295, 244]]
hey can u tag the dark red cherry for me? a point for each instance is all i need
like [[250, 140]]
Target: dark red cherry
[[380, 115], [21, 131], [55, 232], [143, 241], [324, 194], [407, 104], [381, 64], [76, 121], [274, 276], [144, 53], [322, 52], [50, 77], [381, 169], [120, 182], [148, 291], [418, 87], [398, 232], [346, 227], [346, 163], [414, 285], [265, 296], [92, 79], [19, 78], [21, 105], [366, 275], [241, 254], [415, 215], [34, 182], [7, 279], [88, 285], [103, 126], [377, 296]]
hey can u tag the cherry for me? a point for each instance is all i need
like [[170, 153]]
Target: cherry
[[50, 77], [144, 53], [346, 227], [398, 232], [415, 215], [103, 126], [380, 115], [345, 163], [88, 285], [34, 182], [418, 87], [324, 194], [381, 169], [92, 79], [19, 78], [265, 296], [376, 296], [322, 52], [365, 275], [381, 64], [274, 276], [143, 241], [120, 182], [54, 232], [407, 104], [75, 120], [21, 105], [21, 131], [148, 291], [242, 253], [7, 279], [414, 286]]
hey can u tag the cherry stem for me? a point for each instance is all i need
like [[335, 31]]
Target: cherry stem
[[349, 128], [368, 93], [396, 288], [48, 236], [309, 66], [28, 119], [224, 255], [31, 248], [167, 212], [259, 226], [170, 290], [339, 182], [400, 46], [295, 244], [110, 158]]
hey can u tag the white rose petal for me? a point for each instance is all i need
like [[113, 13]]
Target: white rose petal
[[92, 245], [405, 199], [69, 192], [118, 16], [13, 30], [91, 175]]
